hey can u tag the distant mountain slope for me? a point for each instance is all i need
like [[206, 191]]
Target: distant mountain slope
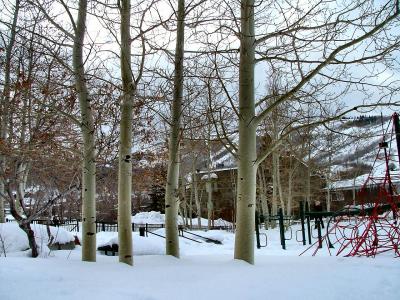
[[350, 152], [346, 149]]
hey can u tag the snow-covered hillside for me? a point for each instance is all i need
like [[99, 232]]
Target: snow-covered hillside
[[345, 148], [350, 151]]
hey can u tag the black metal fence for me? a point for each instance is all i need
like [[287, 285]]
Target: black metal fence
[[74, 225], [70, 225]]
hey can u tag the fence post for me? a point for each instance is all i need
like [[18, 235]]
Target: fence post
[[282, 229], [303, 229], [77, 225], [308, 223], [257, 231], [318, 223], [103, 226]]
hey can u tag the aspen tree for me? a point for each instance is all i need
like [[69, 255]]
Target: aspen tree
[[172, 188], [246, 187], [125, 144], [88, 136], [336, 50]]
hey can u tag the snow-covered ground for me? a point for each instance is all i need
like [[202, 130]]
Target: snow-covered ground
[[204, 271]]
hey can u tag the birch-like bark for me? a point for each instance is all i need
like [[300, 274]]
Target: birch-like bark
[[171, 190], [125, 143], [263, 195], [292, 170], [209, 187], [183, 201], [88, 136], [328, 184], [210, 205], [191, 204], [308, 177], [274, 202], [5, 102], [196, 198], [246, 192], [278, 180], [308, 185]]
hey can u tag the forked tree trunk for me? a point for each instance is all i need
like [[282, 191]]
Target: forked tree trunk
[[171, 190], [246, 192], [88, 135], [5, 101], [22, 178], [125, 142]]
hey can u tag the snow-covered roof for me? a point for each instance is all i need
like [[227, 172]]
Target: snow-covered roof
[[209, 176]]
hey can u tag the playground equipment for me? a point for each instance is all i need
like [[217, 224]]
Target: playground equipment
[[370, 227], [280, 218]]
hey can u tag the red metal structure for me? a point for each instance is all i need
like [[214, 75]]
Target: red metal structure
[[370, 228]]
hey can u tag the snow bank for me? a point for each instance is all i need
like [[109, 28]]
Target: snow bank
[[155, 217], [152, 217], [141, 245], [14, 238]]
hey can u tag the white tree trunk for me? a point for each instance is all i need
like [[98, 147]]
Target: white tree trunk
[[290, 190], [88, 135], [274, 204], [328, 182], [171, 190], [278, 179], [183, 202], [210, 205], [246, 192], [263, 195], [197, 201], [191, 203], [125, 141]]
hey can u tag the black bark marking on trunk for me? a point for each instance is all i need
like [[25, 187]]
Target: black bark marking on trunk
[[90, 233], [128, 256], [167, 206]]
